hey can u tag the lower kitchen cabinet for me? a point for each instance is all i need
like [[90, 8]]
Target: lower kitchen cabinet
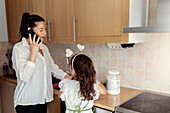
[[0, 101], [54, 106], [100, 110], [7, 97]]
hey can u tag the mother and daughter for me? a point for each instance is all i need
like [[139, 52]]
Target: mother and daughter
[[33, 65]]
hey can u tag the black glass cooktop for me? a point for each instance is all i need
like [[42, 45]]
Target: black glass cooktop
[[147, 103]]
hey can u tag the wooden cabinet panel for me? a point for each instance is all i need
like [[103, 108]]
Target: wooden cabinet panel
[[60, 13], [97, 18], [7, 94], [0, 99], [97, 21], [54, 106], [14, 11], [38, 7]]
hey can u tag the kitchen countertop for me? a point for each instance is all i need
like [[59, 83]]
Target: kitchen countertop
[[12, 80], [108, 102], [1, 79]]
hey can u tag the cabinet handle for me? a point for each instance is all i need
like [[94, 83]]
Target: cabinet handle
[[49, 30], [74, 28]]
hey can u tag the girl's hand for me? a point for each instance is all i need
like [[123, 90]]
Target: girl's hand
[[34, 47], [69, 77]]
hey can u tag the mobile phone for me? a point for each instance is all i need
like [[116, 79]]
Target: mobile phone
[[31, 31]]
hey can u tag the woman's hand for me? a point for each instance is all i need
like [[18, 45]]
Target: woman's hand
[[34, 47]]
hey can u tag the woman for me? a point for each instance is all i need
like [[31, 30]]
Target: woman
[[33, 65]]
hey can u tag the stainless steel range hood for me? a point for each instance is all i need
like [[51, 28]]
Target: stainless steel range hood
[[138, 17]]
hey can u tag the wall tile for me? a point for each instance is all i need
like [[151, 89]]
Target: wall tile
[[140, 65], [114, 63], [139, 84], [150, 66], [150, 56], [149, 76], [160, 87], [130, 82], [131, 54], [122, 63], [131, 64], [140, 75], [149, 85]]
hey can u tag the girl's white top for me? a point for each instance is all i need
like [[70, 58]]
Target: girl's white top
[[70, 95], [34, 80]]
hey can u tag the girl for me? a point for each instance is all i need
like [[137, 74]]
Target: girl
[[79, 94], [33, 65]]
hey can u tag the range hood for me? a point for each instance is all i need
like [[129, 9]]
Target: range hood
[[138, 16]]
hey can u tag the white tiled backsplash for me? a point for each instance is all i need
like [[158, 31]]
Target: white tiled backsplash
[[146, 66]]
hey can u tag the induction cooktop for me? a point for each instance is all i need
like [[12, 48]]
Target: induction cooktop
[[146, 102]]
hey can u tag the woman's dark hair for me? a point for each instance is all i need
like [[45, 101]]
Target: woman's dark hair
[[85, 74], [28, 21]]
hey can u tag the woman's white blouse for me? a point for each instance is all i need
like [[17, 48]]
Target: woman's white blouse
[[70, 89], [34, 80]]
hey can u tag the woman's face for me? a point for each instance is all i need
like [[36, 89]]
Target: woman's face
[[40, 30]]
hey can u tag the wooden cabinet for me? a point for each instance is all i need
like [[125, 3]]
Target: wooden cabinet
[[14, 11], [7, 94], [38, 7], [60, 20], [96, 21], [54, 106], [0, 99]]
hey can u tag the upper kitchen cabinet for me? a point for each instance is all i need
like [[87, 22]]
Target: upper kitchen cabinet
[[101, 21], [14, 11], [38, 7], [96, 21], [60, 20], [81, 21]]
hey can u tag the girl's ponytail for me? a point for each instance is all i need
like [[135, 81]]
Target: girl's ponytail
[[85, 74], [23, 27]]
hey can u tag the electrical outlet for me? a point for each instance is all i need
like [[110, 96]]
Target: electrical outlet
[[114, 45]]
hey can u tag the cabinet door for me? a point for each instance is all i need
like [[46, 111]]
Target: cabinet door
[[54, 106], [7, 94], [60, 13], [14, 11], [0, 99], [98, 20], [38, 7]]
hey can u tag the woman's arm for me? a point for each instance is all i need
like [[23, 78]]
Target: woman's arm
[[102, 89], [22, 65], [56, 71]]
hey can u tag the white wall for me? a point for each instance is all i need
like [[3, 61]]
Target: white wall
[[3, 23], [138, 13]]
